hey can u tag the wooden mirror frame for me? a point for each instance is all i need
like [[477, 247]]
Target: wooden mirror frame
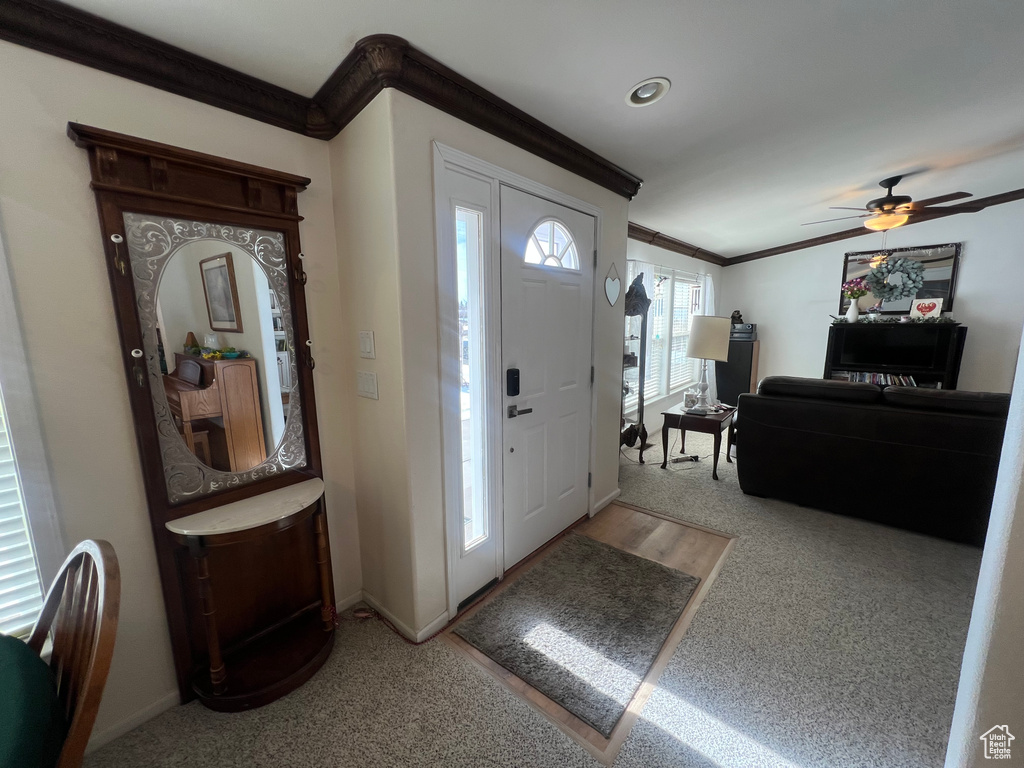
[[140, 176]]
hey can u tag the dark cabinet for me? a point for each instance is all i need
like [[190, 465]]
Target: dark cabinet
[[902, 354]]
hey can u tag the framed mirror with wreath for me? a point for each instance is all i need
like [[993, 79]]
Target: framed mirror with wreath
[[902, 275]]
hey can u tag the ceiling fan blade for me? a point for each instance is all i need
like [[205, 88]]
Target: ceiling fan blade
[[844, 208], [841, 218], [942, 199], [933, 210]]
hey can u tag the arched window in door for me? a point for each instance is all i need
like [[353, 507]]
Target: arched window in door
[[551, 245]]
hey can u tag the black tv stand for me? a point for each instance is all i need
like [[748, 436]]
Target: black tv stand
[[902, 354]]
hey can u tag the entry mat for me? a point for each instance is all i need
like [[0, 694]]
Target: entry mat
[[583, 626]]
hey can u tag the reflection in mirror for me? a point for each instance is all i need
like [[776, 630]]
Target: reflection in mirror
[[940, 264], [214, 306]]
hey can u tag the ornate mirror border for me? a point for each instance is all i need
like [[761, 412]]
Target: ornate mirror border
[[152, 241]]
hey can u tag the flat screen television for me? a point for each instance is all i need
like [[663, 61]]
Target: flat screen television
[[902, 346]]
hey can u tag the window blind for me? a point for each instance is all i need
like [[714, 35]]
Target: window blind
[[21, 595], [681, 372], [675, 297]]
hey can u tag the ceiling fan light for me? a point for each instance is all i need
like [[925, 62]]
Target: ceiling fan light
[[886, 221]]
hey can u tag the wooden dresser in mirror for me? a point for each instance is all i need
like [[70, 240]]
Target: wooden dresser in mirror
[[206, 272]]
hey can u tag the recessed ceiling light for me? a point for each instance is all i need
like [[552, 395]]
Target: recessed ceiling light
[[648, 91]]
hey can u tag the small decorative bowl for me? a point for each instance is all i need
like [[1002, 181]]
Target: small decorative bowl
[[230, 355]]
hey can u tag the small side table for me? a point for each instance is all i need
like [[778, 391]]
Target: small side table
[[713, 424]]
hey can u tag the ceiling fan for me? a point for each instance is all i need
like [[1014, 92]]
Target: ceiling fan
[[891, 211]]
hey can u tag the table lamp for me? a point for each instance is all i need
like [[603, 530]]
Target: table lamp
[[709, 340]]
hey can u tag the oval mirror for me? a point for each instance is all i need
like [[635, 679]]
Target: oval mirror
[[215, 311]]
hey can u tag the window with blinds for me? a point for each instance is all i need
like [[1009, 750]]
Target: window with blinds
[[675, 297], [21, 594]]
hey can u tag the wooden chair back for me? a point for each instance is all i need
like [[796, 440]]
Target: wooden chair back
[[80, 616], [190, 371]]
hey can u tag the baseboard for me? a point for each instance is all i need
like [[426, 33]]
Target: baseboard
[[402, 627], [348, 602], [599, 505], [433, 627], [107, 735]]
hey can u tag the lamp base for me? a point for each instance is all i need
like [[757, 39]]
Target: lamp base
[[700, 410]]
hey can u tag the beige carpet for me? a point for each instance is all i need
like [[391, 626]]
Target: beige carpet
[[825, 641]]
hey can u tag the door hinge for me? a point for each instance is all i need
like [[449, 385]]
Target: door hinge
[[591, 375], [595, 258], [590, 479]]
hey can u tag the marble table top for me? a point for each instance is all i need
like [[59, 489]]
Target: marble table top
[[250, 513]]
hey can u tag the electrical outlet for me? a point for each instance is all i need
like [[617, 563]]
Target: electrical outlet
[[366, 348], [366, 384]]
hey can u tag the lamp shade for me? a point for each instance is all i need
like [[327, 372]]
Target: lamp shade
[[709, 337]]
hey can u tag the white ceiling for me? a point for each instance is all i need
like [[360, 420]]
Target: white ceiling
[[777, 109]]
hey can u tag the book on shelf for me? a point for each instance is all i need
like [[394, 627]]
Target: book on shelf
[[881, 379]]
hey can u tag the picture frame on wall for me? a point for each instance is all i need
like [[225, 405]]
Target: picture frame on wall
[[221, 293], [941, 264]]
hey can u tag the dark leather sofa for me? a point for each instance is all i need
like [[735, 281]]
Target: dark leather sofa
[[920, 459]]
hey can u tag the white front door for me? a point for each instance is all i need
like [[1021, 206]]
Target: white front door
[[547, 280]]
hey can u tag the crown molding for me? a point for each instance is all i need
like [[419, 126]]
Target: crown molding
[[387, 61], [936, 213], [69, 33], [375, 63], [658, 240]]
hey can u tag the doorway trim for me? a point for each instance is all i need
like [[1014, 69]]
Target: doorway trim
[[448, 159]]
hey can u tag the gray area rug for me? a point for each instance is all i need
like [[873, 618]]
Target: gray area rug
[[583, 626]]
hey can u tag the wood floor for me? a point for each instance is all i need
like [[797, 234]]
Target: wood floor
[[685, 547]]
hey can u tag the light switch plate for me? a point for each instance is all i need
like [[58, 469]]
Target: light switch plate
[[366, 384], [366, 345]]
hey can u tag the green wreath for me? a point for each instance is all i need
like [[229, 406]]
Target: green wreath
[[913, 278]]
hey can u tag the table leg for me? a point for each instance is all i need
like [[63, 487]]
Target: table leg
[[218, 675], [664, 444], [682, 441], [718, 447], [323, 564], [728, 442]]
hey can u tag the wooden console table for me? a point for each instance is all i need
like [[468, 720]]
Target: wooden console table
[[279, 657], [713, 424]]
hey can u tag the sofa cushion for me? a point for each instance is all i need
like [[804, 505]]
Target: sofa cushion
[[32, 724], [951, 400], [820, 389]]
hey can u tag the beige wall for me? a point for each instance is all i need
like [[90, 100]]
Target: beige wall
[[791, 296], [382, 166], [363, 171], [49, 223]]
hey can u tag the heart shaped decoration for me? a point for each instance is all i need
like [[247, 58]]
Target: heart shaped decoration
[[612, 288], [926, 308]]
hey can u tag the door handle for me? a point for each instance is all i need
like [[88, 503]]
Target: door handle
[[514, 411]]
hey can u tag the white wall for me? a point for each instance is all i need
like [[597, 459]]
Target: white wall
[[991, 688], [52, 235], [791, 296], [654, 255]]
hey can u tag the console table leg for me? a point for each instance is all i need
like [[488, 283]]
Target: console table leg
[[664, 444], [718, 449], [218, 675], [323, 564]]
